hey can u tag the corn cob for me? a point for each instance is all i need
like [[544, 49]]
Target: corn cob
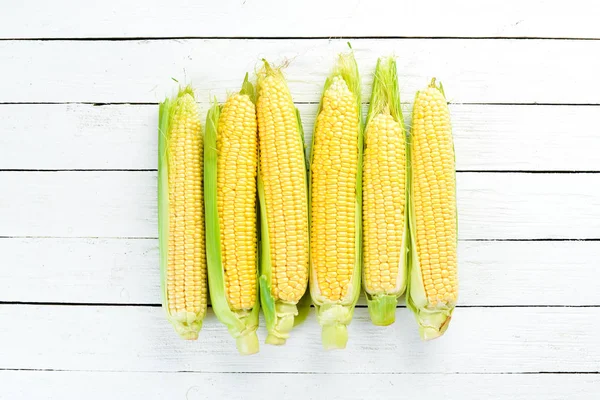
[[230, 169], [283, 197], [181, 215], [335, 242], [433, 282], [385, 235]]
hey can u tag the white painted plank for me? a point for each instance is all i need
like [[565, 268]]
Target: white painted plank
[[479, 340], [90, 204], [126, 271], [123, 204], [473, 71], [61, 385], [81, 271], [153, 18], [526, 138], [528, 206], [75, 136], [487, 137]]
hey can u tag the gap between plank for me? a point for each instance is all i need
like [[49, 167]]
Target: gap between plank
[[365, 103], [304, 373], [156, 238], [368, 37], [157, 305], [461, 171], [80, 170]]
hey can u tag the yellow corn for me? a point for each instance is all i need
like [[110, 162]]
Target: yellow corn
[[236, 198], [384, 197], [181, 224], [336, 204], [433, 287], [230, 170], [333, 191], [284, 204], [383, 204]]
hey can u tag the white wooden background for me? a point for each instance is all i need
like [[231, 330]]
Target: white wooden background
[[79, 298]]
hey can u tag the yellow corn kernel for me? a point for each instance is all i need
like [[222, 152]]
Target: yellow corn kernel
[[333, 191], [230, 169], [236, 199], [336, 203], [434, 281], [384, 199], [385, 192], [185, 275], [434, 188], [282, 169], [283, 196]]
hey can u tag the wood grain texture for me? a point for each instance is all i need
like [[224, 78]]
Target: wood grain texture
[[123, 204], [59, 385], [153, 18], [473, 71], [125, 271], [487, 137], [480, 340]]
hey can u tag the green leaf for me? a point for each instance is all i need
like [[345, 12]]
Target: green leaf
[[385, 96], [303, 308], [248, 89], [163, 194], [382, 308]]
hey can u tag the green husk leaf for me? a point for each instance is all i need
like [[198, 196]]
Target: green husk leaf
[[385, 99], [248, 89], [242, 324], [382, 308], [266, 298], [334, 317], [432, 321], [187, 324], [305, 302], [303, 308], [334, 335], [280, 316], [163, 195]]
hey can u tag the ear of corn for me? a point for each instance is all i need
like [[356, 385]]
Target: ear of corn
[[230, 168], [283, 198], [336, 202], [385, 230], [433, 281], [181, 215]]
